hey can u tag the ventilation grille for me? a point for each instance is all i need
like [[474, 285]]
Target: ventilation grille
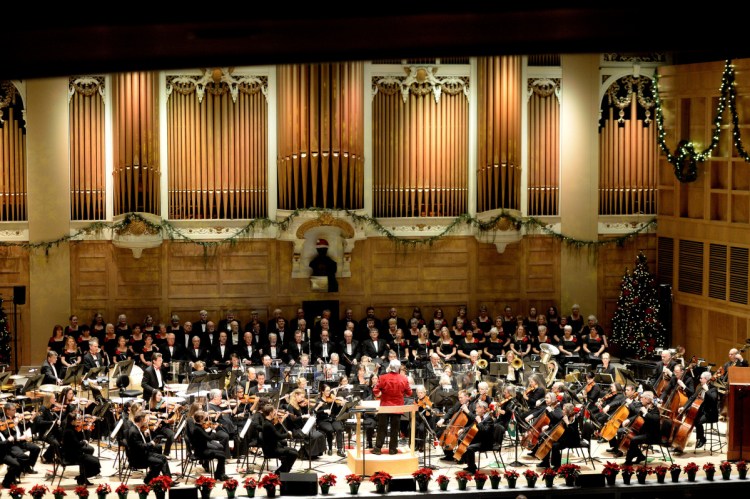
[[665, 261], [691, 267], [424, 61], [717, 271], [544, 60], [738, 267]]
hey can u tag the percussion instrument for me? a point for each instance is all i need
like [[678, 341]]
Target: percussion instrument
[[121, 400]]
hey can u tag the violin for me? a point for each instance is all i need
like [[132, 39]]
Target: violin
[[7, 424], [425, 405], [209, 425], [279, 417]]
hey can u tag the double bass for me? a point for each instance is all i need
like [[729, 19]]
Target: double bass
[[682, 432], [449, 440]]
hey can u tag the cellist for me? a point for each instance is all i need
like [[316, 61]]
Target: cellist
[[708, 412], [571, 437], [462, 406], [650, 431], [484, 437], [634, 406]]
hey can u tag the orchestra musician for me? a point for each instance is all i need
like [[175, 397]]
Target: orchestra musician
[[609, 402], [298, 414], [503, 411], [708, 412], [141, 449], [274, 440], [606, 367], [220, 412], [95, 357], [553, 412], [75, 449], [484, 437], [632, 400], [165, 415], [515, 376], [482, 395], [428, 417], [534, 396], [735, 359], [153, 377], [591, 392], [649, 432], [328, 408], [571, 437], [49, 368], [204, 444], [461, 405], [20, 440], [392, 387], [47, 425]]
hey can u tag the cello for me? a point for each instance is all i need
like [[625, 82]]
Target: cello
[[609, 430], [450, 437], [682, 432], [466, 439], [531, 438], [634, 429], [550, 438]]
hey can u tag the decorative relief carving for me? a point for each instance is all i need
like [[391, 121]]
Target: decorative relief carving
[[217, 81], [85, 85], [622, 92], [630, 57], [138, 235], [544, 87], [420, 80], [624, 227]]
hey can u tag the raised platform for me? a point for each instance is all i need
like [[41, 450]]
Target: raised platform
[[402, 464]]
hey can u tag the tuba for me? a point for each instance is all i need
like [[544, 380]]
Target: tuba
[[551, 375]]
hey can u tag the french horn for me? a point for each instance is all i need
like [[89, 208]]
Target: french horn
[[517, 363]]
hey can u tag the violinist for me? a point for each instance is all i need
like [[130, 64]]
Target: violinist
[[425, 409], [503, 411], [649, 432], [142, 450], [47, 425], [591, 392], [608, 403], [326, 411], [165, 414], [483, 439], [298, 415], [75, 449], [482, 394], [274, 441], [571, 437], [13, 462], [205, 446], [220, 412], [12, 431], [708, 412], [634, 406], [534, 397]]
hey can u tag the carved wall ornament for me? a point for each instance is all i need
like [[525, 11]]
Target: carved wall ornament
[[544, 87], [420, 80], [634, 57], [139, 233], [86, 85], [9, 96], [217, 81], [622, 92]]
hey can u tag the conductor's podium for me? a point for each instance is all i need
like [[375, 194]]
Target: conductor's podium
[[364, 462]]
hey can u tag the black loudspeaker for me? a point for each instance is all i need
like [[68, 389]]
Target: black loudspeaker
[[183, 493], [299, 484], [19, 295], [402, 485], [588, 480]]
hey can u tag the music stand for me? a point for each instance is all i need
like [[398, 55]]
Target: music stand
[[73, 375], [604, 378], [4, 377], [33, 383], [123, 368]]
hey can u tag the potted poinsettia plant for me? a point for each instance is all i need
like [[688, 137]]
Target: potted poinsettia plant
[[480, 478], [326, 482], [495, 479], [627, 471], [250, 485], [726, 469], [531, 477], [58, 492], [160, 485], [442, 482], [142, 490], [709, 469], [205, 484], [570, 472], [691, 469], [422, 476], [230, 486], [642, 472], [122, 491], [511, 477], [675, 470], [463, 477], [354, 480], [549, 475], [269, 482], [81, 491], [38, 491], [102, 490], [381, 479], [661, 473], [741, 469], [16, 492], [610, 472]]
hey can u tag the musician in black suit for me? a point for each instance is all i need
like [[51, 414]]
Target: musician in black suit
[[375, 348], [634, 406], [50, 371], [274, 441], [708, 412], [609, 403], [205, 446], [664, 366], [503, 412], [349, 351], [534, 396], [21, 444], [221, 351], [153, 377], [172, 351], [324, 348], [571, 437], [248, 350], [441, 426], [143, 451], [196, 351], [94, 358], [649, 432], [77, 450], [484, 437]]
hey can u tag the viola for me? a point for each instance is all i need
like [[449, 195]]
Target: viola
[[7, 424]]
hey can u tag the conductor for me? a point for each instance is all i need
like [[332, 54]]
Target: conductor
[[392, 387]]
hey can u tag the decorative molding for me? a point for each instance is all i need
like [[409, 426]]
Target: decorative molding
[[140, 234], [15, 234], [217, 81], [503, 232], [629, 58], [544, 87], [420, 80], [621, 93], [85, 85], [624, 227]]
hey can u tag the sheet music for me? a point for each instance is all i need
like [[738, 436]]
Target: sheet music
[[245, 428]]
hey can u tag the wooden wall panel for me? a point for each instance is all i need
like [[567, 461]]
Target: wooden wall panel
[[14, 271]]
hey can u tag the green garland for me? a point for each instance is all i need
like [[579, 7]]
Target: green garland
[[175, 234], [685, 159]]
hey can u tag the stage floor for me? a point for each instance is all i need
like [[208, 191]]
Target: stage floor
[[338, 466]]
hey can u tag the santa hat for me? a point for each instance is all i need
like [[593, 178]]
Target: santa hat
[[321, 243]]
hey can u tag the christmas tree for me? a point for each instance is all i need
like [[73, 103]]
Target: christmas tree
[[4, 336], [636, 327]]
